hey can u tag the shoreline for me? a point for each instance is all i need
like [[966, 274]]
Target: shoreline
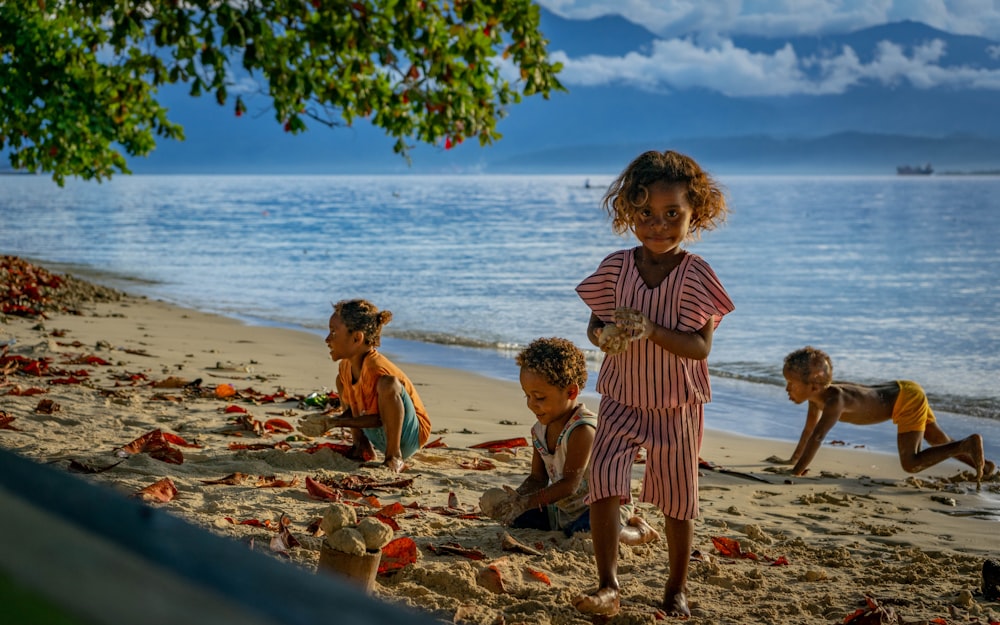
[[860, 525]]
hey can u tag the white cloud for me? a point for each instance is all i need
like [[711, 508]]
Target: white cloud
[[697, 50], [708, 18], [682, 64]]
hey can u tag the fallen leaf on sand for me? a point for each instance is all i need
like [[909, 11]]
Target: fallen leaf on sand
[[509, 543], [154, 444], [81, 467], [457, 550], [479, 464], [397, 554], [162, 491], [170, 382], [540, 576], [318, 490], [506, 443], [47, 406], [6, 420], [233, 479], [490, 579]]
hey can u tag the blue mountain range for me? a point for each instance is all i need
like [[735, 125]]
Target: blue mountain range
[[867, 129]]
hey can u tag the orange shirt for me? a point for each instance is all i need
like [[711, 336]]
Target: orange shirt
[[362, 396]]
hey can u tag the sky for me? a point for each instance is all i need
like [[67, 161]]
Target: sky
[[697, 50]]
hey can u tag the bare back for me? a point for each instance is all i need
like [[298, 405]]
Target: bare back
[[860, 404]]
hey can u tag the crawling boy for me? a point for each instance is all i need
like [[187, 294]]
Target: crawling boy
[[809, 378]]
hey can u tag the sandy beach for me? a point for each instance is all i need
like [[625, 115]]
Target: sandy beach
[[221, 394]]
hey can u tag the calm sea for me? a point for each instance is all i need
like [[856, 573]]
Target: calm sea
[[895, 277]]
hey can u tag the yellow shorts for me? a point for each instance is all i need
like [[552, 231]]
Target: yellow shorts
[[911, 413]]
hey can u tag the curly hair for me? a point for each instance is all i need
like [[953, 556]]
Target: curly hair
[[558, 360], [361, 315], [811, 365], [630, 191]]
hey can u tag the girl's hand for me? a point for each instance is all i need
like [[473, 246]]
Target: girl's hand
[[613, 340], [634, 323]]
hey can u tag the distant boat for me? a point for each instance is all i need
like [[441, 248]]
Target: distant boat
[[909, 170]]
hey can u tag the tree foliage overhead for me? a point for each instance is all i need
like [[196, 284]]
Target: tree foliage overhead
[[79, 79]]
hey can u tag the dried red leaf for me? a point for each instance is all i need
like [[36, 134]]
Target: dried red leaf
[[6, 420], [458, 550], [727, 546], [162, 490], [438, 442], [278, 425], [258, 446], [80, 467], [491, 579], [70, 380], [47, 406], [177, 440], [272, 482], [393, 509], [340, 448], [234, 408], [233, 479], [542, 577], [34, 390], [316, 490], [399, 553], [479, 464], [156, 446], [252, 522], [507, 443]]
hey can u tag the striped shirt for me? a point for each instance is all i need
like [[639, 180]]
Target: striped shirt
[[645, 374]]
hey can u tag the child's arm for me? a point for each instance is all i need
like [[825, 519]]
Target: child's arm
[[693, 345], [812, 418], [581, 441], [537, 479], [594, 329], [833, 407]]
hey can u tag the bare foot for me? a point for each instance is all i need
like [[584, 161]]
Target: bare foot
[[394, 464], [974, 447], [601, 602], [362, 452], [638, 532], [676, 605], [989, 470]]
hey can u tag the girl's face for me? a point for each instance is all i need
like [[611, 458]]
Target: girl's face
[[549, 403], [340, 340], [665, 221]]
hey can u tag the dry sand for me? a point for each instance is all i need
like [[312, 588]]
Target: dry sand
[[859, 527]]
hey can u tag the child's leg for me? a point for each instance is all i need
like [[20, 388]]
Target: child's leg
[[604, 528], [361, 449], [393, 413], [934, 435], [680, 537], [968, 450]]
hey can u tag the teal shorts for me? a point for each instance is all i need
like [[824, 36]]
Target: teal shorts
[[409, 442]]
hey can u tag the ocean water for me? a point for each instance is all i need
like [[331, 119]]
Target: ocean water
[[895, 277]]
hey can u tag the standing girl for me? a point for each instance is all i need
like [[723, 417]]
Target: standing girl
[[654, 309]]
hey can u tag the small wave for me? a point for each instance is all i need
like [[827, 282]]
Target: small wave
[[441, 338]]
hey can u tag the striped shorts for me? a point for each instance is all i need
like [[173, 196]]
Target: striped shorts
[[672, 439]]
